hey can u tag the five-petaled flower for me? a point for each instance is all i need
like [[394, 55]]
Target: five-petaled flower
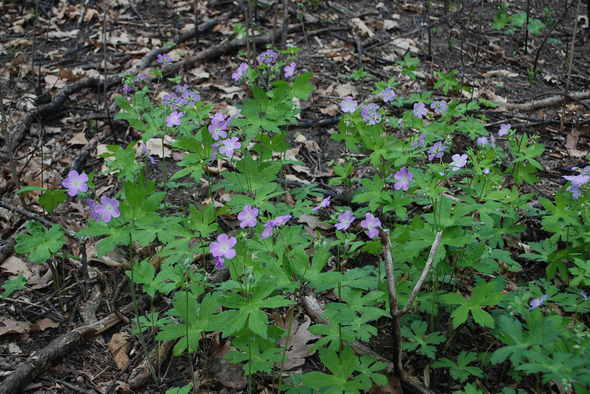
[[174, 119], [348, 105], [76, 183], [247, 216], [482, 141], [325, 203], [504, 129], [223, 248], [218, 126], [459, 161], [419, 110], [105, 211], [370, 113], [388, 94], [537, 302], [228, 146], [345, 220], [240, 71], [439, 106], [403, 178], [289, 69], [164, 58], [271, 224], [577, 181], [436, 151], [371, 224], [267, 57]]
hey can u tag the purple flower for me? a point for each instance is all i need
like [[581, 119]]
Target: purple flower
[[108, 209], [577, 181], [482, 141], [174, 119], [371, 224], [142, 77], [537, 302], [584, 295], [400, 123], [388, 95], [486, 171], [228, 146], [127, 89], [459, 161], [403, 178], [76, 183], [348, 105], [247, 216], [419, 110], [105, 211], [370, 113], [289, 69], [267, 231], [267, 57], [325, 203], [281, 220], [439, 106], [345, 220], [219, 262], [436, 151], [223, 247], [94, 214], [239, 73], [164, 58], [504, 129], [421, 141], [271, 224], [219, 125]]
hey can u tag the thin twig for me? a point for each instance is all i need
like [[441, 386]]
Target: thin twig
[[425, 272]]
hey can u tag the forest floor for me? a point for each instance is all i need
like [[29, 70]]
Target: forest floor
[[45, 50]]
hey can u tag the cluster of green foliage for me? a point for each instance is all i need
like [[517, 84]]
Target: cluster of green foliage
[[478, 207]]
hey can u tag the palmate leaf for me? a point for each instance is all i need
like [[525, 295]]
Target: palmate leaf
[[484, 294], [194, 318], [248, 309], [40, 244]]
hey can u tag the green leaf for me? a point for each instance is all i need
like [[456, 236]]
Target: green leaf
[[40, 244], [12, 285], [302, 86], [51, 199]]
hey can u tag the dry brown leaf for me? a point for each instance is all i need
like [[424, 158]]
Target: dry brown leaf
[[43, 324], [78, 139], [53, 81], [119, 347], [571, 143], [359, 25], [500, 73], [298, 345], [403, 45], [346, 89], [16, 266], [9, 326], [63, 34], [331, 110], [389, 24], [228, 374]]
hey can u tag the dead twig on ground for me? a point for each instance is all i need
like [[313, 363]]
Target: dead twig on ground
[[37, 362]]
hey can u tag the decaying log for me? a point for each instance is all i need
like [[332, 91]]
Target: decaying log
[[37, 362]]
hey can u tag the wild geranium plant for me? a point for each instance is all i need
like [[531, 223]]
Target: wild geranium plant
[[435, 174]]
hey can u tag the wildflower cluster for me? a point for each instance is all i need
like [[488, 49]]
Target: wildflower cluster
[[182, 96]]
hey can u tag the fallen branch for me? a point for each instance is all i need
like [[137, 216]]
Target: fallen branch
[[37, 362], [142, 374], [314, 310], [55, 106], [546, 102]]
